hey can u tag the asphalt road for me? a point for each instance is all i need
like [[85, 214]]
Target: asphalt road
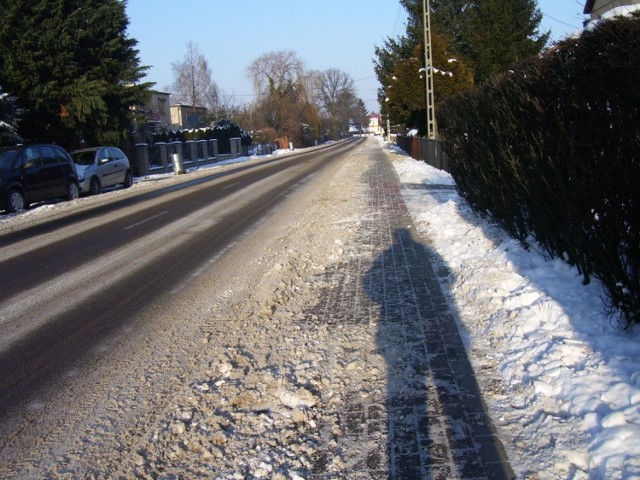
[[68, 283]]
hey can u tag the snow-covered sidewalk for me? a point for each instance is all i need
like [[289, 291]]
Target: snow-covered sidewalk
[[561, 379]]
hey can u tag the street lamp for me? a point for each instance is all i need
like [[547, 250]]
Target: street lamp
[[441, 72], [386, 99]]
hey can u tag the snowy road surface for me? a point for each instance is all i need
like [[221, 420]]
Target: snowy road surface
[[65, 291], [100, 416]]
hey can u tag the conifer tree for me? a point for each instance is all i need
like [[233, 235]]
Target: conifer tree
[[488, 35], [406, 94], [71, 68], [8, 120], [402, 95], [499, 33]]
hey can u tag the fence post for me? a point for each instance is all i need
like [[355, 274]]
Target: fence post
[[234, 147], [442, 157], [214, 148], [193, 151], [203, 144], [142, 158], [162, 149]]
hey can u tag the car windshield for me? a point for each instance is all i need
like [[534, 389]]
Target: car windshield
[[6, 158], [83, 158]]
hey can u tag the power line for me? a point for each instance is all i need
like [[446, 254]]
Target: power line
[[395, 25], [560, 21]]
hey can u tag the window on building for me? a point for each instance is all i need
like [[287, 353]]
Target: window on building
[[162, 105]]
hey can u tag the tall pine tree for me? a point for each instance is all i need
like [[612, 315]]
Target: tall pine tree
[[499, 33], [402, 96], [71, 67], [406, 95], [488, 35]]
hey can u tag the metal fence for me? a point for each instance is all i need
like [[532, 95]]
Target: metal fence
[[261, 149], [429, 151], [194, 153]]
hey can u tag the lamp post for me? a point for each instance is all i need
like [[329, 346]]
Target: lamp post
[[388, 129], [428, 63], [386, 99]]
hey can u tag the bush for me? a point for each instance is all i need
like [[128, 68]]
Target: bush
[[223, 131], [551, 150], [9, 114]]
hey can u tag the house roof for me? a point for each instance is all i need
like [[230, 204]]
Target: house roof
[[590, 5]]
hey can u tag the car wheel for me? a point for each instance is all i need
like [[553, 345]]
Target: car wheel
[[73, 191], [15, 201], [128, 181], [94, 186]]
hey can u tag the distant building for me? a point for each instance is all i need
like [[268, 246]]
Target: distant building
[[184, 116], [603, 9], [154, 115], [375, 125]]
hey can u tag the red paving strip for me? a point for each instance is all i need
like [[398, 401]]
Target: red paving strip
[[428, 420]]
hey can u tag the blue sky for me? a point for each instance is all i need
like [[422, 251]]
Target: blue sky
[[338, 34]]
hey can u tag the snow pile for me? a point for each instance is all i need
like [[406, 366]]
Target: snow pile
[[562, 381]]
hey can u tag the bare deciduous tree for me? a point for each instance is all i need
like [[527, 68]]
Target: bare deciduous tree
[[284, 103], [334, 86], [336, 96], [192, 81], [275, 73]]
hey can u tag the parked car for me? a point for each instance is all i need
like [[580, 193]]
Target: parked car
[[33, 173], [101, 167]]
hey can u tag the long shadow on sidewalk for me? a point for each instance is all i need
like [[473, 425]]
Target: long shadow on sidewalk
[[437, 424]]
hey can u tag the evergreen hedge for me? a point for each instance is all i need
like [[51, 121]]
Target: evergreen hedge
[[223, 131], [551, 151]]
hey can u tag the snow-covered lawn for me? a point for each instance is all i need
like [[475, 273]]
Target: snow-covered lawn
[[562, 380]]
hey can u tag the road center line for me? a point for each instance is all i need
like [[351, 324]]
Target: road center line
[[146, 220], [232, 185]]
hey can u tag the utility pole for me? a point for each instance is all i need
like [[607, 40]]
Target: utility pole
[[388, 128], [428, 65]]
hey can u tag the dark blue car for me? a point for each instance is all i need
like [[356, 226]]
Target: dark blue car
[[33, 173]]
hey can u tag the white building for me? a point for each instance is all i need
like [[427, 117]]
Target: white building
[[154, 115], [603, 9], [375, 124]]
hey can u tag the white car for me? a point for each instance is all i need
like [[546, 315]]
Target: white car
[[101, 167]]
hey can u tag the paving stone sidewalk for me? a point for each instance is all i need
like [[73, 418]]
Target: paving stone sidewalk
[[416, 411]]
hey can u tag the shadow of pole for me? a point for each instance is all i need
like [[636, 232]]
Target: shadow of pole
[[437, 423]]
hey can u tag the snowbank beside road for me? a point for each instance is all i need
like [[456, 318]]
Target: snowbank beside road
[[561, 379]]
